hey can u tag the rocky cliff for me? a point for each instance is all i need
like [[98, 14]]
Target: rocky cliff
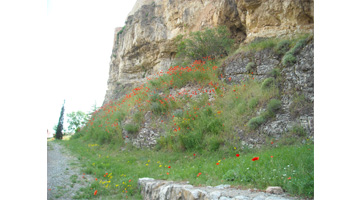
[[146, 44]]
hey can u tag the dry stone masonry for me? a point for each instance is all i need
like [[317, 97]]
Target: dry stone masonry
[[152, 189]]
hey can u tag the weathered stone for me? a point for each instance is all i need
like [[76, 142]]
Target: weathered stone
[[241, 198], [225, 198], [274, 190], [146, 44], [162, 189], [260, 197], [298, 77]]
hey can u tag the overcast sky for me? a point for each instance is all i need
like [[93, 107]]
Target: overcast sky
[[79, 45]]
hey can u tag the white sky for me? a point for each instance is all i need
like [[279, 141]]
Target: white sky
[[79, 45]]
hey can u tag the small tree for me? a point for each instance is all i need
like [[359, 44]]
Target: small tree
[[210, 42], [59, 128], [76, 120]]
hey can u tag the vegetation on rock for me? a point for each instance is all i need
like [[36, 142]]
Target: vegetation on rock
[[198, 114]]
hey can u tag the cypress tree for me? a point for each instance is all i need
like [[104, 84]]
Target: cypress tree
[[59, 129]]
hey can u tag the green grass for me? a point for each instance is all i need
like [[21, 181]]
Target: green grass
[[296, 162], [204, 118]]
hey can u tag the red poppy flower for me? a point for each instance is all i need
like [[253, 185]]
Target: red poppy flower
[[95, 192], [237, 155], [271, 156], [217, 163], [255, 158], [95, 179], [194, 154], [104, 175], [289, 178], [169, 167], [130, 180], [272, 142]]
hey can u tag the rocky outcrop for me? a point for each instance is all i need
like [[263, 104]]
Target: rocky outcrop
[[146, 44], [297, 81], [152, 189]]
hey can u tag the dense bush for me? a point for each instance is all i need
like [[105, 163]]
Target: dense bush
[[250, 66], [210, 42], [131, 128], [267, 83], [274, 105], [282, 47], [274, 73], [288, 59], [191, 140], [230, 175], [255, 122]]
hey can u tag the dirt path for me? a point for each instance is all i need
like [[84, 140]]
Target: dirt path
[[64, 176]]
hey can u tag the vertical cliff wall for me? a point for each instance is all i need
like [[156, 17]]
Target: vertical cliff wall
[[146, 44]]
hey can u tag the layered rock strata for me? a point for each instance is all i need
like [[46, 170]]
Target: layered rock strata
[[146, 44]]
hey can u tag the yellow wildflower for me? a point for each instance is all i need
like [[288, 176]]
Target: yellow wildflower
[[160, 165]]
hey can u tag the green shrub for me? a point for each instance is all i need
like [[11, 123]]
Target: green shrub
[[267, 83], [298, 130], [274, 105], [212, 126], [282, 47], [288, 59], [241, 108], [131, 128], [77, 135], [191, 140], [255, 122], [250, 66], [274, 73], [253, 102], [298, 46], [210, 42], [230, 175], [214, 143], [158, 108]]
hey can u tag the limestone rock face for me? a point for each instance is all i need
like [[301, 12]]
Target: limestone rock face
[[146, 44]]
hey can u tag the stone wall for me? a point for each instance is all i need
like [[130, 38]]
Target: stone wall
[[152, 189], [296, 79]]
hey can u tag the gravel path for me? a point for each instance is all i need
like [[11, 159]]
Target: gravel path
[[64, 176]]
